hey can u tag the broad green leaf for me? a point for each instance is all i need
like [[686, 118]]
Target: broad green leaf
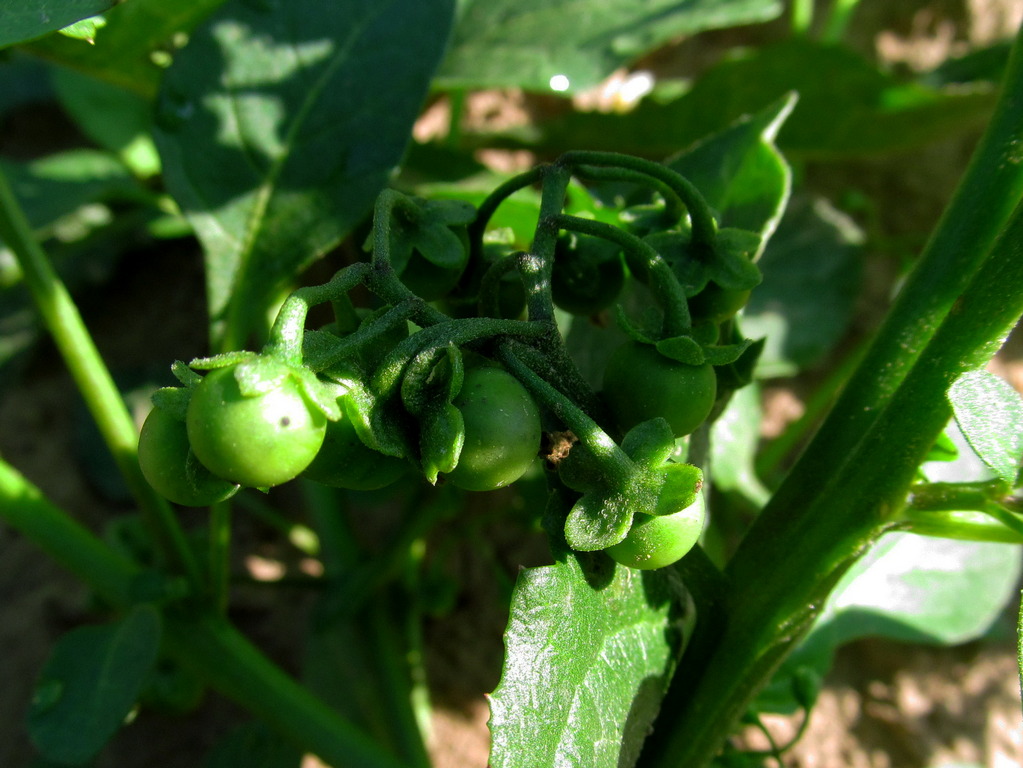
[[22, 20], [133, 47], [114, 118], [740, 172], [811, 272], [911, 589], [526, 43], [857, 109], [90, 683], [591, 648], [279, 123], [990, 414]]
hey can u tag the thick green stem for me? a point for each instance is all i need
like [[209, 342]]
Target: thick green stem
[[70, 544], [983, 203], [792, 556], [220, 555], [90, 374]]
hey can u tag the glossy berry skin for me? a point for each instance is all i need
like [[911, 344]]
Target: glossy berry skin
[[257, 441], [657, 541], [641, 384], [502, 430], [166, 464], [344, 461]]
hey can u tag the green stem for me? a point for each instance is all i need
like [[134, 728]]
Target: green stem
[[94, 381], [288, 329], [206, 643], [493, 201], [674, 208], [977, 214], [641, 255], [701, 218], [220, 555], [364, 336], [618, 468], [536, 266], [802, 542], [458, 332], [802, 16], [838, 20], [964, 525], [70, 544], [234, 666]]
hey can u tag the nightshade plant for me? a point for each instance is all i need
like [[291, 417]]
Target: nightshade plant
[[584, 333]]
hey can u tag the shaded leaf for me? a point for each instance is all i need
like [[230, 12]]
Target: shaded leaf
[[525, 43], [590, 650], [114, 118], [361, 664], [22, 20], [990, 414], [279, 123], [133, 47], [855, 110], [57, 185], [740, 172], [90, 683]]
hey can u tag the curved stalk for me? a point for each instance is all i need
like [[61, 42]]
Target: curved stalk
[[93, 379]]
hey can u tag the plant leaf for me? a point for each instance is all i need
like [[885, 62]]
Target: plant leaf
[[911, 589], [990, 414], [741, 173], [525, 43], [28, 19], [590, 650], [598, 520], [856, 110], [133, 47], [279, 123], [113, 117], [811, 272], [90, 683]]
